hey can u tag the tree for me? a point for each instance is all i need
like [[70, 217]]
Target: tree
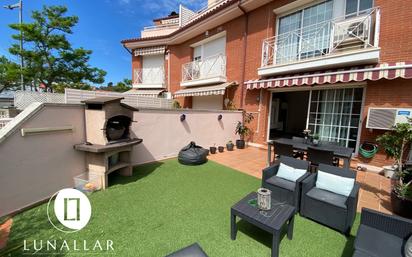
[[121, 86], [9, 74], [49, 57]]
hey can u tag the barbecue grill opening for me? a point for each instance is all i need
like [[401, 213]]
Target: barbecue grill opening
[[117, 128]]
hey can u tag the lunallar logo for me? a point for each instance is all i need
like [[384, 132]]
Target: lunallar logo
[[72, 209], [68, 210]]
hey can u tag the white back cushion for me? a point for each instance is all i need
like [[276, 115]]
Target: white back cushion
[[289, 173], [336, 184]]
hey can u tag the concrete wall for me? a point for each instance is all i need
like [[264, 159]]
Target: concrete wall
[[164, 134], [34, 167]]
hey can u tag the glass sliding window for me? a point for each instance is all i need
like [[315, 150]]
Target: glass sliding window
[[305, 33], [334, 115], [357, 7]]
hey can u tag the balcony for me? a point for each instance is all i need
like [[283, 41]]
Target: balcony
[[211, 70], [149, 78], [330, 44], [159, 30]]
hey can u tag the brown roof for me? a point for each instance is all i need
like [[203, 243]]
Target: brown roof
[[102, 100], [167, 17], [207, 15]]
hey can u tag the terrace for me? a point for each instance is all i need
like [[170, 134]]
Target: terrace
[[161, 205]]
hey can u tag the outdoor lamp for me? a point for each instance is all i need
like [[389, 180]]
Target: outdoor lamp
[[182, 117], [219, 117]]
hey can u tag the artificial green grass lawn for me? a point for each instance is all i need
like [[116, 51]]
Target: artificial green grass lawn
[[166, 206]]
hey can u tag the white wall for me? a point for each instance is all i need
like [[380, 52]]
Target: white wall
[[164, 134], [212, 102], [34, 167]]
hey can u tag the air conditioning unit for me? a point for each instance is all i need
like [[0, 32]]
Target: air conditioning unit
[[351, 32], [386, 118]]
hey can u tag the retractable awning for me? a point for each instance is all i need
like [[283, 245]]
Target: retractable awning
[[145, 92], [204, 90], [150, 50], [355, 74]]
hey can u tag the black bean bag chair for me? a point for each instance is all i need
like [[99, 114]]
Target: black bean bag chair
[[192, 154]]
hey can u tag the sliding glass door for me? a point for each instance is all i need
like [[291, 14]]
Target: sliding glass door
[[334, 115]]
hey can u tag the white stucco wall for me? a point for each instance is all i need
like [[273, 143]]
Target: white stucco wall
[[164, 134], [34, 167]]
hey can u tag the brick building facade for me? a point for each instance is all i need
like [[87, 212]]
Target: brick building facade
[[246, 24]]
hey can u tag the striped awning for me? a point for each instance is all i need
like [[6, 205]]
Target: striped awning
[[204, 90], [150, 50], [354, 74], [145, 92]]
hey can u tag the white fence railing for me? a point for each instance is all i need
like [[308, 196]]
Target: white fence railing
[[76, 96], [22, 99], [321, 39], [149, 76], [211, 67], [4, 121]]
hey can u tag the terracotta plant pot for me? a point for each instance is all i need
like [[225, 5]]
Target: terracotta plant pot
[[240, 144], [401, 206]]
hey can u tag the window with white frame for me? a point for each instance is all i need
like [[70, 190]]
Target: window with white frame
[[334, 115], [305, 33], [357, 7]]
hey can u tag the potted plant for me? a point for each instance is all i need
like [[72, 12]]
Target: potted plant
[[242, 130], [212, 149], [230, 145], [221, 148], [315, 139], [395, 143]]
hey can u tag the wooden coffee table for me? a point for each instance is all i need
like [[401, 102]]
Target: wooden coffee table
[[272, 221]]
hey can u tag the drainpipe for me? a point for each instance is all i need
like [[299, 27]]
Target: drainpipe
[[243, 69]]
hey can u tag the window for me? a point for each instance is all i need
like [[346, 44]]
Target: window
[[335, 115], [305, 33], [356, 7]]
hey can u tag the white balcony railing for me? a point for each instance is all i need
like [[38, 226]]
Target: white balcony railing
[[149, 77], [322, 39], [211, 67]]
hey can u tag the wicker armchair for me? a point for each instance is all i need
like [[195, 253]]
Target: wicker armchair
[[333, 210], [284, 190], [381, 235]]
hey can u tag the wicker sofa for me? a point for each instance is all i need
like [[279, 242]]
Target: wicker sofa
[[381, 235]]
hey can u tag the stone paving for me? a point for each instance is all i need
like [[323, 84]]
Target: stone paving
[[375, 188]]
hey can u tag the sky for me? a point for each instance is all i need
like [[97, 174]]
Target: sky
[[102, 25]]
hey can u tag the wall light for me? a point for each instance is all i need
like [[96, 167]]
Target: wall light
[[219, 117], [182, 117]]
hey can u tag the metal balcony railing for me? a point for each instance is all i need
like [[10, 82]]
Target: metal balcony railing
[[322, 39], [149, 76], [211, 67]]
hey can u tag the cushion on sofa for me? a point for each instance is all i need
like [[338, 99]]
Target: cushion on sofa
[[280, 182], [378, 243], [193, 250], [289, 173], [327, 197], [336, 184]]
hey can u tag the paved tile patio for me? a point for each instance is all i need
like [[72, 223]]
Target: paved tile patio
[[374, 193]]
